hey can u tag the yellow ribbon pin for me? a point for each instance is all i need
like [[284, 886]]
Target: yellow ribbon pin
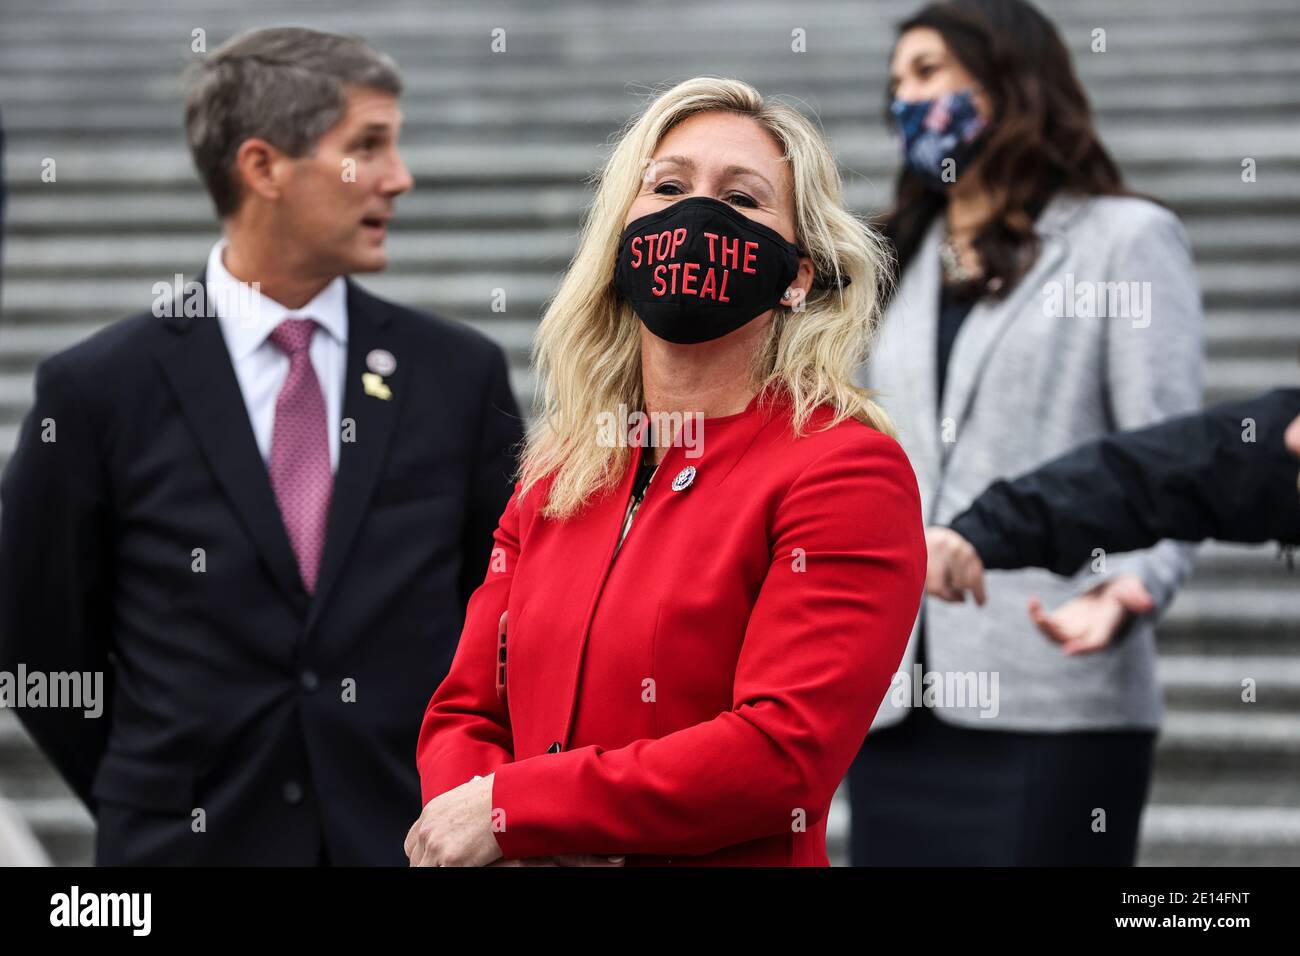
[[374, 385]]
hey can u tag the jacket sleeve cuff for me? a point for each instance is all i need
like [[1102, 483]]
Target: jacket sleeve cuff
[[520, 831], [1161, 568], [996, 553]]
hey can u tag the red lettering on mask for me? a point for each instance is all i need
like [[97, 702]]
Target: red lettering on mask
[[665, 245], [730, 251], [709, 287], [696, 279], [650, 257], [674, 268], [688, 277]]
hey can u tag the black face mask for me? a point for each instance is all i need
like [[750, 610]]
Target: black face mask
[[701, 269]]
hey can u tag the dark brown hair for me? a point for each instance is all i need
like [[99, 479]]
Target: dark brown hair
[[1040, 137]]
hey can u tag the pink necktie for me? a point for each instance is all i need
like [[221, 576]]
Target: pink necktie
[[300, 450]]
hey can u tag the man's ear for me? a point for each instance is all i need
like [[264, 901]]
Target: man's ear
[[1292, 437], [260, 167]]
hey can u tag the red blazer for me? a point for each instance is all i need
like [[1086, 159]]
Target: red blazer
[[696, 698]]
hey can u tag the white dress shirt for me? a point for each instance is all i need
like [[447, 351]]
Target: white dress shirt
[[247, 319]]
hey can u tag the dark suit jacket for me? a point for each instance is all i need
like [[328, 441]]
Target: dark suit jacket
[[1187, 478], [289, 720]]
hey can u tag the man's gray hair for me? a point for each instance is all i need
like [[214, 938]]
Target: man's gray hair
[[286, 85]]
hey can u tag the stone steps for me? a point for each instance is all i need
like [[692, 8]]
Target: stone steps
[[466, 291], [1205, 199], [1171, 835], [860, 146], [1239, 241], [543, 116], [1253, 820], [1224, 381]]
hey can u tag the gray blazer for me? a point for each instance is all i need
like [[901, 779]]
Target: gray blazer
[[1103, 333]]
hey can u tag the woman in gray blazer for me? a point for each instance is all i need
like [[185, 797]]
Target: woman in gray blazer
[[1040, 304]]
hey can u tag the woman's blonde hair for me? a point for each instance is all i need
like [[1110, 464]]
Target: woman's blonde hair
[[587, 350]]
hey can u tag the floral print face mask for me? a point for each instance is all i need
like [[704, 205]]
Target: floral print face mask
[[947, 127]]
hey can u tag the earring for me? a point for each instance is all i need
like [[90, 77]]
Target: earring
[[789, 294]]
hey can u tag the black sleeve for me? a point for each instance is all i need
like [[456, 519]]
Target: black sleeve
[[500, 436], [1189, 478], [55, 565]]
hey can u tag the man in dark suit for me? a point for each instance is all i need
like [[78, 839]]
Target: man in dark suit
[[260, 508]]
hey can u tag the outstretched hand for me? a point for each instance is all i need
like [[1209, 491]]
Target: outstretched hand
[[1091, 621]]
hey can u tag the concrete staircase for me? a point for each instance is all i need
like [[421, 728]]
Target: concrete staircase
[[500, 145]]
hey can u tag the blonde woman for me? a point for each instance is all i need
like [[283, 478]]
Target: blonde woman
[[689, 622]]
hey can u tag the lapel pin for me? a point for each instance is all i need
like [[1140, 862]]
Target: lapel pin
[[375, 386], [381, 362], [684, 478]]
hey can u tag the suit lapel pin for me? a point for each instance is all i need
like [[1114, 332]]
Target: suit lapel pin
[[374, 385], [684, 478], [381, 362]]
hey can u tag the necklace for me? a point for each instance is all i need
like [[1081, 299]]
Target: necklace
[[640, 484], [950, 259]]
